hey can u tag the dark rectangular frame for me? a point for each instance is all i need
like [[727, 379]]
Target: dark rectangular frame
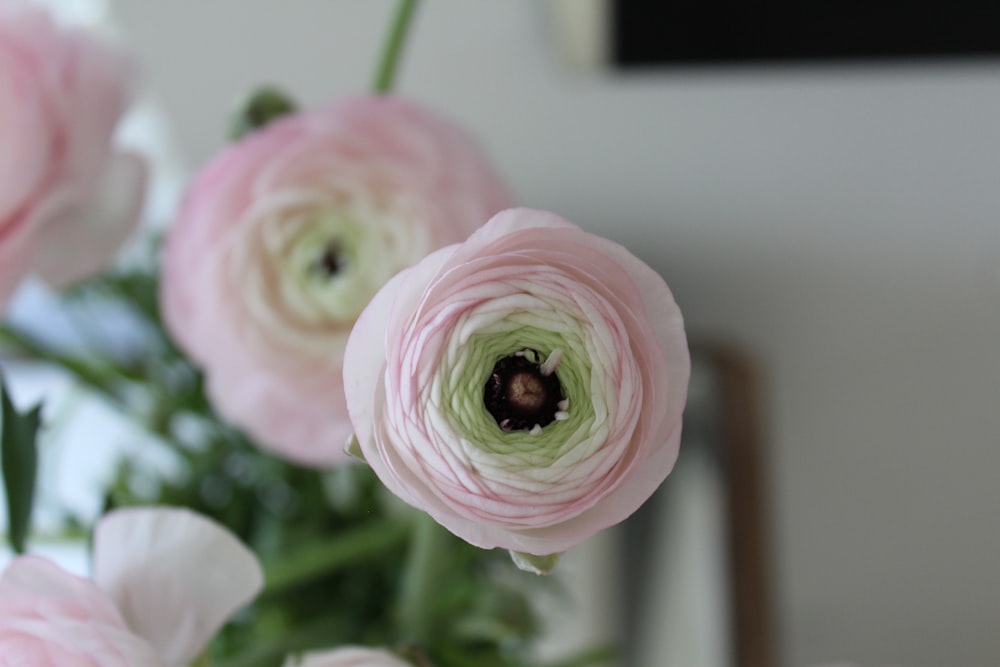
[[734, 420], [647, 33]]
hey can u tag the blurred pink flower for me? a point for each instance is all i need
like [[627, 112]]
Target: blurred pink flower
[[49, 618], [348, 656], [285, 236], [165, 582], [524, 388], [67, 199]]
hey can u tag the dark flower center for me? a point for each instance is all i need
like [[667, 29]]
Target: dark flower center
[[332, 261], [519, 395]]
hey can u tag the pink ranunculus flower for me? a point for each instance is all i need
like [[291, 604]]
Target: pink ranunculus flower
[[165, 582], [524, 388], [348, 656], [283, 239], [67, 198]]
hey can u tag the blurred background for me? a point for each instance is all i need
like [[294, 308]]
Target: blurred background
[[835, 222]]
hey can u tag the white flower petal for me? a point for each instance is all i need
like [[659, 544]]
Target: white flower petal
[[176, 576], [348, 656]]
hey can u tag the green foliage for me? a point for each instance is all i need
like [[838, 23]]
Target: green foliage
[[336, 545], [345, 561], [335, 558]]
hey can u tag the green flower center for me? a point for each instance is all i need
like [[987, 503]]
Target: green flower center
[[498, 390], [317, 258], [320, 255]]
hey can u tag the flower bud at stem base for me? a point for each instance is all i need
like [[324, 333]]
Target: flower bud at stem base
[[262, 107]]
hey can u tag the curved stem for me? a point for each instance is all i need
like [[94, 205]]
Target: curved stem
[[391, 52], [346, 549], [93, 377], [422, 568], [271, 652]]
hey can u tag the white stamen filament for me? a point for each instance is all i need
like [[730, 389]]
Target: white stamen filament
[[561, 416], [535, 430], [563, 405], [550, 365], [529, 354]]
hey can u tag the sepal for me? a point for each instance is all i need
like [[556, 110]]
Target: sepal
[[540, 565]]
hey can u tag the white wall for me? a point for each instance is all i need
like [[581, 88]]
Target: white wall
[[840, 223]]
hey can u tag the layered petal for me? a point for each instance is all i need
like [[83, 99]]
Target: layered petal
[[66, 201], [50, 618], [439, 363], [175, 576], [284, 238]]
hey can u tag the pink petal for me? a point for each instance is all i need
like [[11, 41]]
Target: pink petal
[[176, 576], [29, 579], [85, 235], [264, 400], [50, 618], [27, 149], [364, 366]]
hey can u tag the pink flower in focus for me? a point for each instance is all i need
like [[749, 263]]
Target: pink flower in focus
[[67, 199], [283, 239], [165, 582], [348, 656], [524, 388]]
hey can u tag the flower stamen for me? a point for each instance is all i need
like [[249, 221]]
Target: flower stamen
[[521, 395], [550, 365]]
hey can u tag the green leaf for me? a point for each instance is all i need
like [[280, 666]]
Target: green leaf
[[19, 460]]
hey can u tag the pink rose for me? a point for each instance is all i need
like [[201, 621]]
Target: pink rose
[[67, 200], [524, 388], [348, 656], [284, 238], [165, 582]]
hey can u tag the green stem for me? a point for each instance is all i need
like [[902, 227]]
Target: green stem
[[272, 652], [347, 548], [422, 569], [602, 655], [87, 374], [389, 62]]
